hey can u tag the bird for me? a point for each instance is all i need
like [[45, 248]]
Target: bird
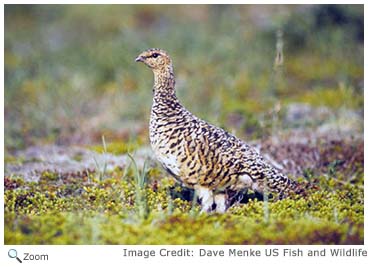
[[199, 155]]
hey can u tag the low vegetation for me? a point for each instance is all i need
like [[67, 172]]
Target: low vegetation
[[134, 205]]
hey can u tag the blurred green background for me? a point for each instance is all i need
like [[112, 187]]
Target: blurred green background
[[70, 75]]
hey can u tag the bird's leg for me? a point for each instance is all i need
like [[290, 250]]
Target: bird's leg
[[206, 196], [220, 201]]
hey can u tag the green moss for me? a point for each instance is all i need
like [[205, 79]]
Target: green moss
[[84, 210], [117, 147], [317, 67], [10, 159], [48, 175], [333, 97]]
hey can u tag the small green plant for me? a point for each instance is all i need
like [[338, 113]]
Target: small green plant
[[140, 188], [102, 169]]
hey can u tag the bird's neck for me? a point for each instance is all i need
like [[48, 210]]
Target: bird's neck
[[164, 82]]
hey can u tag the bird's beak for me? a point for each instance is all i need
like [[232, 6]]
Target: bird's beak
[[139, 59]]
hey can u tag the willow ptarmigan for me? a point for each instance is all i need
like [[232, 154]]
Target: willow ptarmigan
[[199, 155]]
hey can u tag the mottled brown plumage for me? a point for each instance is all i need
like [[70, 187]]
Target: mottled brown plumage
[[199, 155]]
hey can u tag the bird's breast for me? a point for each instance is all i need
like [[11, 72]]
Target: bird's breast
[[167, 143]]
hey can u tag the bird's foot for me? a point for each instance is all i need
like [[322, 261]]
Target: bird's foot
[[220, 202], [206, 196]]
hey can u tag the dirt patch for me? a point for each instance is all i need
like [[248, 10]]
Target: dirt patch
[[298, 153], [32, 162]]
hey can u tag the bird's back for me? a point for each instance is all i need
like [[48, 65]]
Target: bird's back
[[198, 153]]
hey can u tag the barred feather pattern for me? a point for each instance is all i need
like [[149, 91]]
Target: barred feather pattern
[[202, 156]]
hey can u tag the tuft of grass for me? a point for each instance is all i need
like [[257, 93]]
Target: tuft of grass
[[140, 189], [102, 169]]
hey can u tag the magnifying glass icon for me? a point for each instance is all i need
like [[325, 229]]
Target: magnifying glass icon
[[12, 253]]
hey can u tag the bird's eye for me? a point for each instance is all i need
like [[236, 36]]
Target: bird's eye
[[155, 55]]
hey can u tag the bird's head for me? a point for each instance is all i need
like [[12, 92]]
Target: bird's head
[[155, 58]]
